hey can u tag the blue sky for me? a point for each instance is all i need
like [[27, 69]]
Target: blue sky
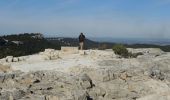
[[96, 18]]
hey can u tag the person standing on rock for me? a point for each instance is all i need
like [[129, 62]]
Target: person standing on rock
[[81, 41]]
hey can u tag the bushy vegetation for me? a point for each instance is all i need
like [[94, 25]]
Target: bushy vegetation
[[30, 45], [122, 51], [134, 55]]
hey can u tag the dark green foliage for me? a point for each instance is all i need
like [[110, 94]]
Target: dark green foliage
[[2, 41], [30, 45], [134, 55], [121, 50]]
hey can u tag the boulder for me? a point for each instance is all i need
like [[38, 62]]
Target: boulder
[[54, 55], [3, 60], [69, 50], [80, 95], [21, 58], [85, 81], [50, 54], [15, 59], [82, 52], [49, 50], [9, 58], [96, 92]]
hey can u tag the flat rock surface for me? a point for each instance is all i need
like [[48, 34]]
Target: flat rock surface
[[86, 75]]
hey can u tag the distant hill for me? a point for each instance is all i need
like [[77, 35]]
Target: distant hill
[[165, 48], [2, 42], [23, 44], [89, 44], [164, 41], [30, 43]]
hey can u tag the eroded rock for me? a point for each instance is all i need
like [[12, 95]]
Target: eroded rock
[[107, 78]]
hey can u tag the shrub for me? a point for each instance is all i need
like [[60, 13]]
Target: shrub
[[121, 50], [134, 55], [31, 45]]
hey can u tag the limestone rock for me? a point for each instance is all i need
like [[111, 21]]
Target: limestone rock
[[85, 81], [96, 76], [12, 94], [50, 54], [15, 59], [96, 92], [51, 98], [33, 97], [123, 76], [69, 50], [162, 96], [36, 58], [21, 58], [82, 52], [80, 95], [102, 75], [3, 60], [5, 68], [9, 58], [49, 50]]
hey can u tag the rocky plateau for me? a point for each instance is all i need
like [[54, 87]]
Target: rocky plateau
[[86, 75]]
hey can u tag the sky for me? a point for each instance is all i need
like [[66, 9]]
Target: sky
[[95, 18]]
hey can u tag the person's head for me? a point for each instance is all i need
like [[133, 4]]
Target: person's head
[[81, 33]]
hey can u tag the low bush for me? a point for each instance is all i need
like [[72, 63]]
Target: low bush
[[122, 51], [134, 55]]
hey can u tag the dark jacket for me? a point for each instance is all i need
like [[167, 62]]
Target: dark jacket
[[81, 38]]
